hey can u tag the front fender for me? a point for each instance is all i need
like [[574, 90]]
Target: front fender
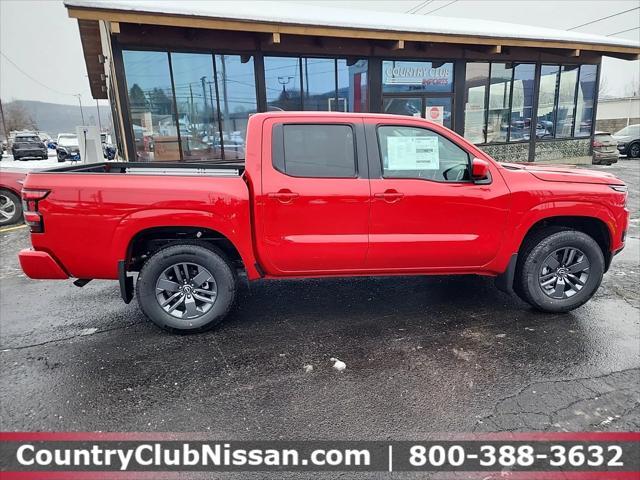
[[548, 210], [562, 209]]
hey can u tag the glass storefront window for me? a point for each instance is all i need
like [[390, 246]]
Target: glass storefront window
[[237, 91], [549, 77], [584, 105], [402, 76], [151, 107], [499, 101], [566, 101], [319, 82], [522, 102], [197, 106], [477, 76], [282, 82]]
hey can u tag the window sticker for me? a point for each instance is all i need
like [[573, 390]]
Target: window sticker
[[413, 153]]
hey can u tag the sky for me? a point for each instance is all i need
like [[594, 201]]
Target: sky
[[41, 55]]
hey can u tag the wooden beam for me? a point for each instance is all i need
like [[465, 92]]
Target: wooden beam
[[575, 52], [398, 45], [488, 49], [275, 38], [115, 27], [323, 31]]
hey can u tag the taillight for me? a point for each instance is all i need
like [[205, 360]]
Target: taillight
[[30, 200]]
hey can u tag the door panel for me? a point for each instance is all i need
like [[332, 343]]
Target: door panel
[[313, 225], [428, 224]]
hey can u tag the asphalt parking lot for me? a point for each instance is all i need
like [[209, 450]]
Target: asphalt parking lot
[[423, 354]]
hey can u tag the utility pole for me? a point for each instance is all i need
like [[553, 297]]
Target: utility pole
[[80, 102], [99, 121], [4, 123]]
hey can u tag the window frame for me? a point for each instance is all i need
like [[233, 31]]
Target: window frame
[[536, 92], [277, 141], [255, 57], [396, 125]]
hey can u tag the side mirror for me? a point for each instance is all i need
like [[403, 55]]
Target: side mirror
[[479, 169]]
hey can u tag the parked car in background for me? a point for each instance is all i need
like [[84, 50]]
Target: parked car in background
[[629, 140], [68, 147], [324, 194], [108, 149], [28, 145], [10, 203], [605, 151]]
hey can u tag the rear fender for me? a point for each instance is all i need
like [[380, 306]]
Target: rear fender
[[141, 220]]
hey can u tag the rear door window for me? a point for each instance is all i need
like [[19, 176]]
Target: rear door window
[[318, 150]]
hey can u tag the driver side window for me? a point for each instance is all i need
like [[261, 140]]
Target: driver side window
[[412, 152]]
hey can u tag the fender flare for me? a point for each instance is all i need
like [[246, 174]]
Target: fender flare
[[142, 220]]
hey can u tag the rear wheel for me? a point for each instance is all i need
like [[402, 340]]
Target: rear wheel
[[634, 150], [559, 270], [186, 288], [10, 208]]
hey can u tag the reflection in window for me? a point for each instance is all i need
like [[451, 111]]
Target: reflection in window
[[584, 107], [237, 91], [476, 79], [151, 105], [402, 76], [410, 152], [499, 100], [566, 101], [352, 87], [402, 106], [282, 82], [549, 76], [522, 102], [319, 82], [197, 105]]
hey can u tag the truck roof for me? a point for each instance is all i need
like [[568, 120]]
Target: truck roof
[[302, 113]]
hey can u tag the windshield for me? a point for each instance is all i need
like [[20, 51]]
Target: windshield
[[29, 139], [68, 141], [630, 130]]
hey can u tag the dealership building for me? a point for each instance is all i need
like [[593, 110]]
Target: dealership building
[[184, 77]]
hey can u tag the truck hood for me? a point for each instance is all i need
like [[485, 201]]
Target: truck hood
[[553, 173]]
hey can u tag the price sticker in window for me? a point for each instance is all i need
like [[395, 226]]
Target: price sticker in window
[[413, 153]]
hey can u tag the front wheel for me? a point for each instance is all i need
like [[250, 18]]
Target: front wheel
[[186, 288], [634, 150], [559, 271]]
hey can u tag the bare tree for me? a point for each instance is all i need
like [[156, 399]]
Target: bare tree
[[603, 89], [632, 89], [18, 118]]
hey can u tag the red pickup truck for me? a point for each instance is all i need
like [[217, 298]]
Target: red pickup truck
[[324, 194]]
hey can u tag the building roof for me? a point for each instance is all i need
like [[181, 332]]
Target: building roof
[[287, 17]]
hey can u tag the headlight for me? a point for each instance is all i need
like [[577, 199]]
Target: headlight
[[619, 188]]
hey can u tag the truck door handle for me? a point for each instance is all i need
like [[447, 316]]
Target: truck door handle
[[389, 196], [284, 195]]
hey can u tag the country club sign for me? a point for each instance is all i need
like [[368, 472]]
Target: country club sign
[[423, 74]]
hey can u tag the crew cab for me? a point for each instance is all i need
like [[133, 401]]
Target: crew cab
[[321, 195]]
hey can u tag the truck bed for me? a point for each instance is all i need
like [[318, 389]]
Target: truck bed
[[92, 212]]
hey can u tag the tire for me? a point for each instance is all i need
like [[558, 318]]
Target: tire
[[16, 158], [10, 208], [533, 270], [634, 150], [60, 159], [201, 261]]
